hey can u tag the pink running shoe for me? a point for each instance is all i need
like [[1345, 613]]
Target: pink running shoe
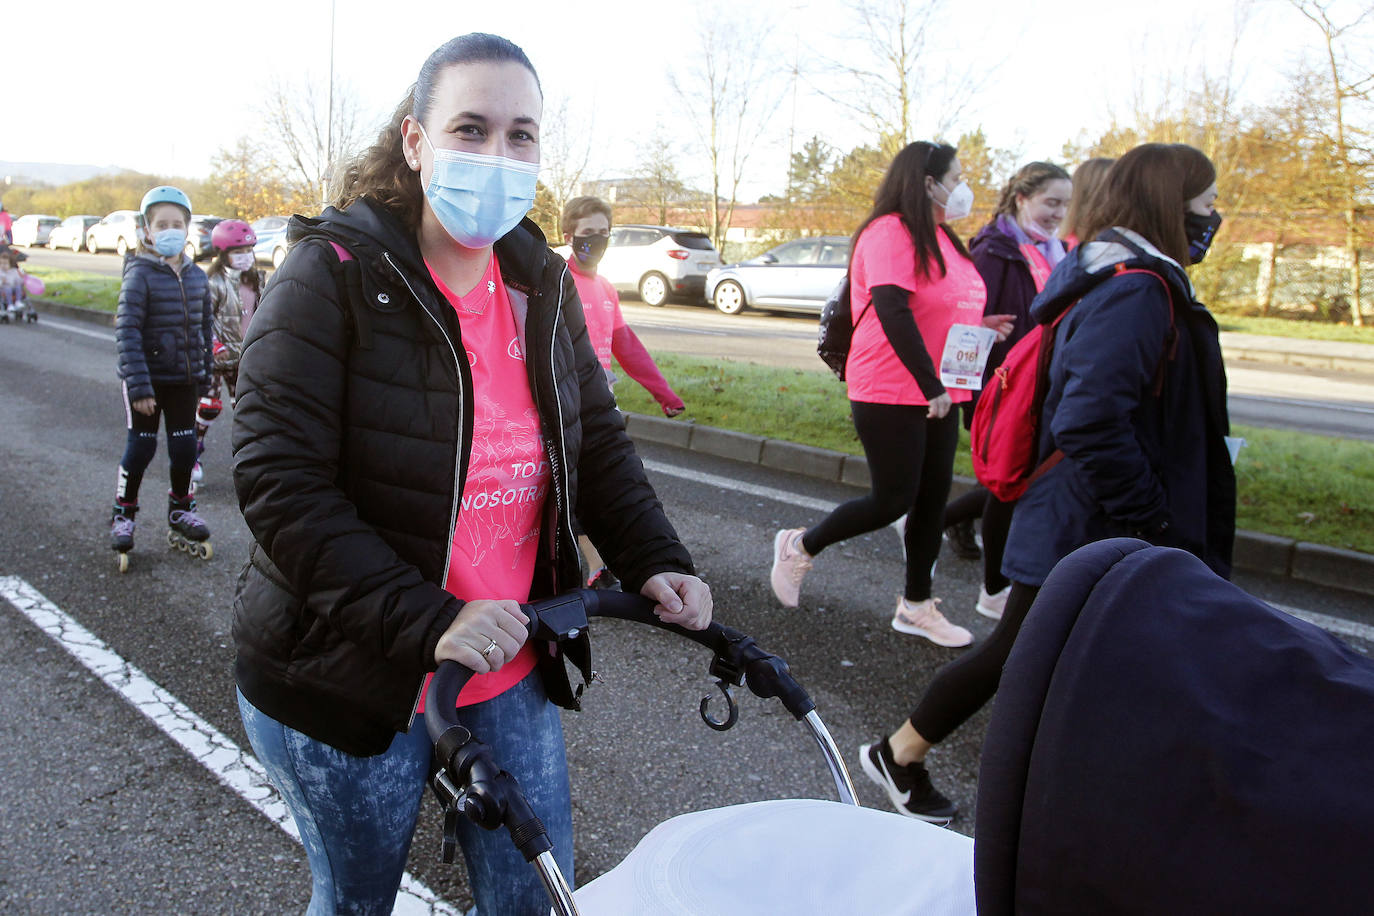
[[790, 565], [924, 619], [992, 605]]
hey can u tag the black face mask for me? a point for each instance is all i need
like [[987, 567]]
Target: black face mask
[[1200, 231], [588, 249]]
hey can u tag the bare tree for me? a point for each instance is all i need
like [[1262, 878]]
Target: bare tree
[[298, 134], [730, 93], [1349, 82], [906, 89], [565, 143], [657, 184]]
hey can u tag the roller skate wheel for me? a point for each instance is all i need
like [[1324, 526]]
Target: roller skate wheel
[[123, 562], [204, 550]]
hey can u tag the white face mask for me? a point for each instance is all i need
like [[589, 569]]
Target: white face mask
[[241, 260], [959, 202]]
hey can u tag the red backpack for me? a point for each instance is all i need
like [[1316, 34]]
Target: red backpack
[[1006, 423]]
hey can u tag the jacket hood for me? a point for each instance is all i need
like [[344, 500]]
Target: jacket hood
[[996, 242], [369, 231], [1093, 263]]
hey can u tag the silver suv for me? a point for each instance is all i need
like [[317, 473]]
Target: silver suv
[[658, 262]]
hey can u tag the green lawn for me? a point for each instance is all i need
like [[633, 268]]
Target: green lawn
[[1312, 488], [1289, 327], [76, 287]]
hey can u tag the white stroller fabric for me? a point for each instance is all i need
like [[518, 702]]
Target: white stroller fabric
[[793, 856]]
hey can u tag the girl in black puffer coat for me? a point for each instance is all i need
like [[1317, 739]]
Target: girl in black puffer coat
[[163, 330]]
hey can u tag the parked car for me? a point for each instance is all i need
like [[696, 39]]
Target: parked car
[[795, 276], [198, 245], [71, 232], [271, 244], [33, 229], [658, 262], [119, 231]]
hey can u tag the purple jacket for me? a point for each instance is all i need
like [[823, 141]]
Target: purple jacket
[[1010, 286]]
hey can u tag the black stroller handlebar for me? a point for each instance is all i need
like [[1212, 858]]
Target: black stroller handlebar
[[738, 659], [471, 784]]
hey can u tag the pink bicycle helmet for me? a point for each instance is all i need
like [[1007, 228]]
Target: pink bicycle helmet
[[232, 233]]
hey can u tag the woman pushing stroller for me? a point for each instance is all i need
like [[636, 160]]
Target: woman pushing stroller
[[420, 415]]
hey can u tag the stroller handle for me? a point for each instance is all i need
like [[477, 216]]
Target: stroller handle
[[738, 659]]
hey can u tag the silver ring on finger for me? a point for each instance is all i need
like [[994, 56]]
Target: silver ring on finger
[[486, 653]]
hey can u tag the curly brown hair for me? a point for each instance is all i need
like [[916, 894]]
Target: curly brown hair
[[1029, 179], [380, 173]]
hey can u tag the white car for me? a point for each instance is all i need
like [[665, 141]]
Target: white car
[[796, 276], [658, 262], [33, 229]]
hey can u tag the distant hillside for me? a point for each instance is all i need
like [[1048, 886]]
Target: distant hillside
[[52, 173]]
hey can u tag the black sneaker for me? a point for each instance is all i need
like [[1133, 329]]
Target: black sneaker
[[962, 541], [908, 787]]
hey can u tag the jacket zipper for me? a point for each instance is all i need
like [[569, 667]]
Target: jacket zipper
[[458, 461], [564, 497], [186, 325]]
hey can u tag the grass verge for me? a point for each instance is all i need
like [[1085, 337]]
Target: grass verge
[[76, 287], [1312, 488], [1295, 328]]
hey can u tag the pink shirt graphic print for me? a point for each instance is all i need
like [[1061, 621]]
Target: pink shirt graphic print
[[496, 539]]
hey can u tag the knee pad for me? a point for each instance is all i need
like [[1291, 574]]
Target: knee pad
[[181, 447], [139, 450], [208, 409]]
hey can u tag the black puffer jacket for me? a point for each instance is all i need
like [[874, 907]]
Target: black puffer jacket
[[352, 434], [164, 326]]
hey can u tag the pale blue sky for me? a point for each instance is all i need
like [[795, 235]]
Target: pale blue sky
[[113, 88]]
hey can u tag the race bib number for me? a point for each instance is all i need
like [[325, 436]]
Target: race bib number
[[966, 354]]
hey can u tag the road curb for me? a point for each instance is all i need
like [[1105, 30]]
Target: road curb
[[74, 312], [1255, 551]]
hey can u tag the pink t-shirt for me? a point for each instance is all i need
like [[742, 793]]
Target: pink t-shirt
[[497, 536], [885, 256], [601, 305]]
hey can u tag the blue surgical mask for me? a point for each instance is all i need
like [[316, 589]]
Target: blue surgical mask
[[169, 242], [479, 198]]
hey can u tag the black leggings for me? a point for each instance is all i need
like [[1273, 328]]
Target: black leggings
[[911, 463], [996, 517], [178, 404], [963, 686]]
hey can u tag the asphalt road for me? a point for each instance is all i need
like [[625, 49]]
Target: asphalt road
[[1261, 394], [106, 813]]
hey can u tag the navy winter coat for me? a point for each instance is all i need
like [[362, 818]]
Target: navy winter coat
[[1136, 463], [164, 326]]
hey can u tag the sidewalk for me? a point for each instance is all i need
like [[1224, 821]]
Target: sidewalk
[[1333, 567], [1290, 351]]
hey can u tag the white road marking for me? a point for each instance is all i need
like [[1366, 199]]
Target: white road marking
[[739, 486], [226, 761], [78, 329], [1337, 625]]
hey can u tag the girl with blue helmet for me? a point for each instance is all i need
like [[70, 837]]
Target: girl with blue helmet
[[163, 330]]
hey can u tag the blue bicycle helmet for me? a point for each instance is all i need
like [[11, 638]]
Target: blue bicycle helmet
[[165, 194]]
